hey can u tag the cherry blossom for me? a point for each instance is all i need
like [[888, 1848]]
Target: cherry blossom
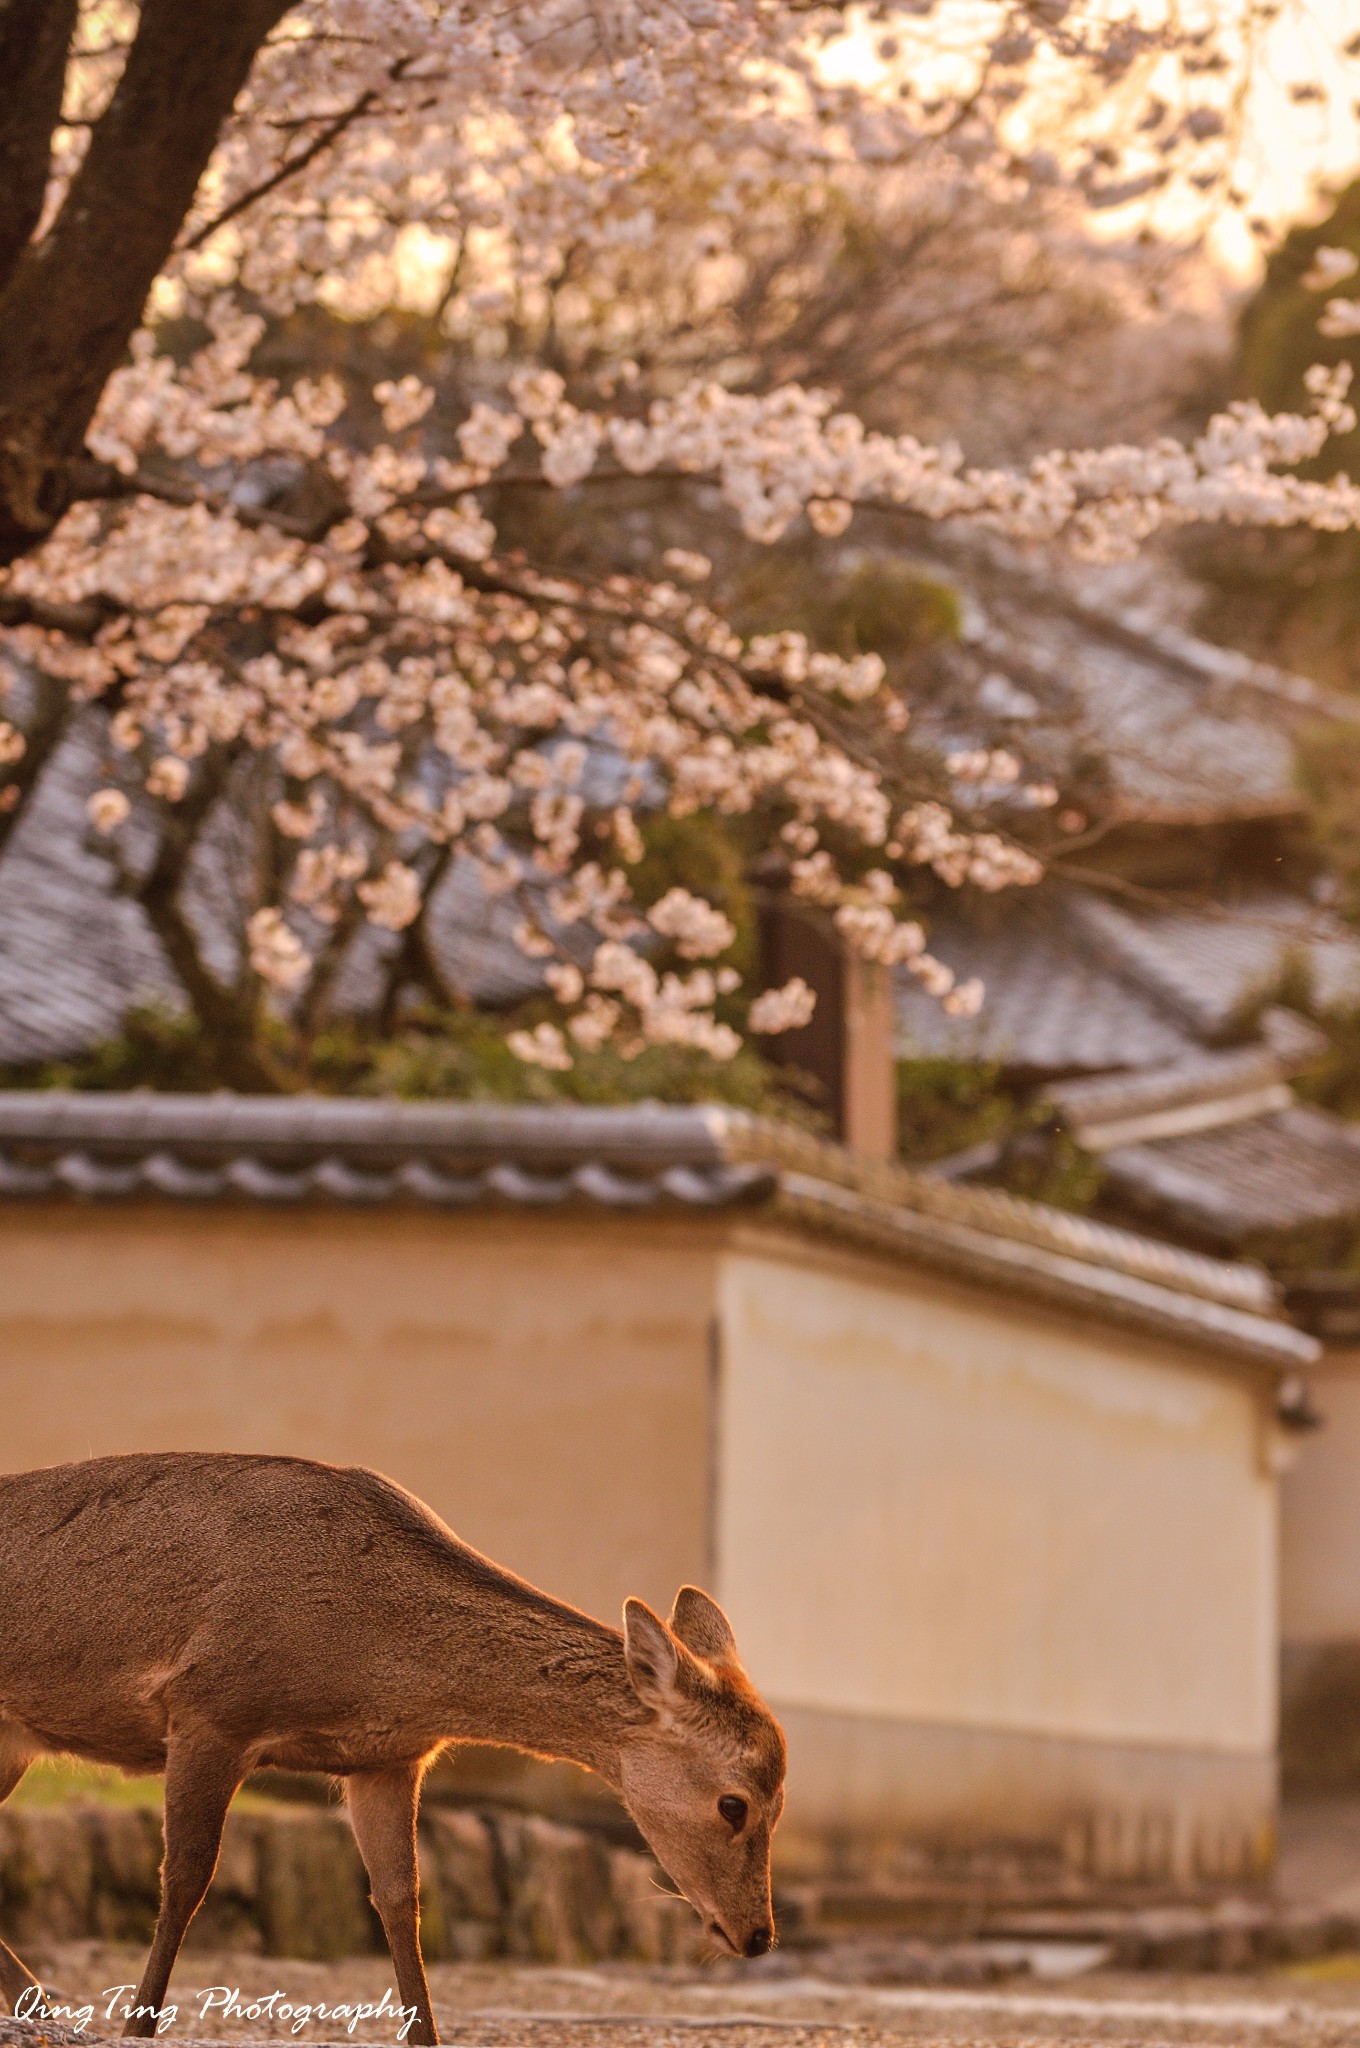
[[258, 575]]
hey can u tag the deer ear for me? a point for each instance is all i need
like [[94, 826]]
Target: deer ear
[[653, 1658], [701, 1626]]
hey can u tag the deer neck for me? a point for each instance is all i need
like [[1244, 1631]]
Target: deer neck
[[531, 1673]]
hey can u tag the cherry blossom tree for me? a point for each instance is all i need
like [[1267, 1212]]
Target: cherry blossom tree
[[285, 601]]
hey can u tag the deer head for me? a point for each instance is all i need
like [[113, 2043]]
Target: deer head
[[703, 1776]]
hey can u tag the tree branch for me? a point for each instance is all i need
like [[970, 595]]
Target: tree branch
[[228, 1017], [286, 170], [43, 734]]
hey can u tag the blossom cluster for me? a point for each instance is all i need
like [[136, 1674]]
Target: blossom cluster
[[425, 700], [418, 693]]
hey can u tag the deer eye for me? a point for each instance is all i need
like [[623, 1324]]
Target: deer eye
[[733, 1811]]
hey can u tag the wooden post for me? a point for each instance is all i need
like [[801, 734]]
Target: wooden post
[[848, 1048], [869, 1077]]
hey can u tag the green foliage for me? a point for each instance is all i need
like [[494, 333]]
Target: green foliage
[[1328, 758], [1292, 597], [435, 1054], [945, 1106], [888, 608], [880, 606], [157, 1048], [1332, 1080], [1054, 1169], [1278, 338], [65, 1781], [710, 857], [59, 1780]]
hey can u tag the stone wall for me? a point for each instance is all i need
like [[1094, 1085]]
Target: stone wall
[[290, 1883]]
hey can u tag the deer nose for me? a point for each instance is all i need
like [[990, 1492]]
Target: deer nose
[[761, 1942]]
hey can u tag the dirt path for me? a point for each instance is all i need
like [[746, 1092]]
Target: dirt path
[[774, 2006]]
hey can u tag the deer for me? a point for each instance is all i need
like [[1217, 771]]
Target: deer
[[206, 1615]]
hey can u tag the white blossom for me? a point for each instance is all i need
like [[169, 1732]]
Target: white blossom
[[403, 403], [168, 777], [1340, 319], [276, 953], [544, 1046], [393, 898], [565, 980], [1329, 267], [462, 529], [687, 563], [106, 809], [829, 516], [428, 705], [964, 999], [486, 436], [698, 928], [783, 1009], [595, 1022]]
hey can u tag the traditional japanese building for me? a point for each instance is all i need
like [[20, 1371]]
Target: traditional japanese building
[[991, 1491]]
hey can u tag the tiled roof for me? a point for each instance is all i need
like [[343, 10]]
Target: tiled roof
[[1267, 1175], [1052, 1005], [1206, 964], [1172, 749], [289, 1150], [1202, 1093], [1076, 983], [75, 955], [1174, 729], [1166, 729]]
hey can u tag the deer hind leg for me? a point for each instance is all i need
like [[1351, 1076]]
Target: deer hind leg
[[201, 1774], [382, 1811], [15, 1977]]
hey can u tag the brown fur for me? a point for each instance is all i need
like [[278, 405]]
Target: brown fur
[[207, 1616]]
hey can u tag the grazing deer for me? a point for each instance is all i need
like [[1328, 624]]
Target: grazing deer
[[207, 1616]]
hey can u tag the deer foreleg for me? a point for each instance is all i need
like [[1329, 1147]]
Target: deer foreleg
[[201, 1774], [15, 1977], [382, 1811]]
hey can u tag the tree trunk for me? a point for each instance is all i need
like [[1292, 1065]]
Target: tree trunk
[[34, 38], [74, 298]]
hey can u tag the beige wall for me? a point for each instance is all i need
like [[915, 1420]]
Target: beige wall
[[542, 1383], [992, 1517], [1320, 1509], [1004, 1572]]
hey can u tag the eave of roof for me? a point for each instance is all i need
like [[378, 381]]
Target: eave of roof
[[1193, 1094], [1271, 1175], [649, 1156]]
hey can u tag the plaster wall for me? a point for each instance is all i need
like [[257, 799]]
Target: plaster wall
[[1024, 1552], [542, 1383], [1004, 1573]]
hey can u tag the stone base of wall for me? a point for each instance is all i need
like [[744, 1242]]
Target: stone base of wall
[[880, 1800], [290, 1883]]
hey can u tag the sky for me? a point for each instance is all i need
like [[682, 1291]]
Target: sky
[[1290, 149], [1285, 147]]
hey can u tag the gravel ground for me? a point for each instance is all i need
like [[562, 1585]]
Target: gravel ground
[[728, 2006]]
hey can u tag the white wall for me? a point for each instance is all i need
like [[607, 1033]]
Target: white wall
[[979, 1514]]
